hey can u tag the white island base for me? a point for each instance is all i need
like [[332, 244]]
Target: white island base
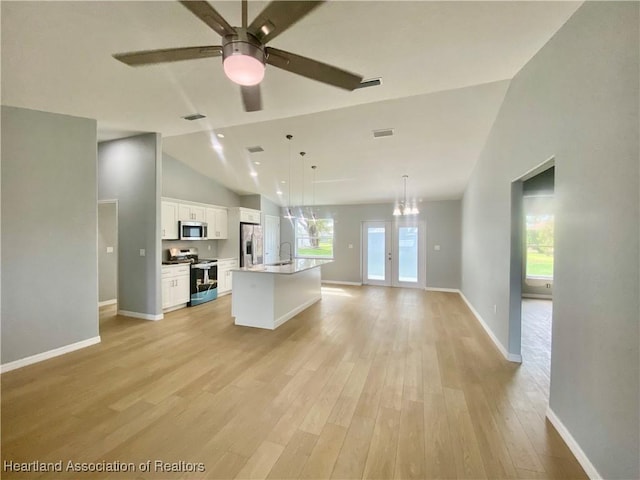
[[268, 297]]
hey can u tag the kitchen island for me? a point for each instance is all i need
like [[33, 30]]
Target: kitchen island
[[266, 296]]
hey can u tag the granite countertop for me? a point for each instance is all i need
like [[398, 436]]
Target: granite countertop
[[297, 265]]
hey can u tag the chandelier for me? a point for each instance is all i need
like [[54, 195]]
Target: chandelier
[[403, 208]]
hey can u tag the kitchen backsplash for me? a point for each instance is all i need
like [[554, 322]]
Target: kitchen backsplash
[[202, 246]]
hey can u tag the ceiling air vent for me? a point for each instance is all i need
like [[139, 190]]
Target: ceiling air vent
[[385, 132], [373, 82], [195, 116], [256, 149]]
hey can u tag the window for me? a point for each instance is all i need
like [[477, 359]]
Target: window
[[539, 246], [314, 238]]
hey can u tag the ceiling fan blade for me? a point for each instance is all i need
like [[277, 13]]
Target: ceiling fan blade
[[312, 69], [147, 57], [205, 12], [251, 98], [278, 16]]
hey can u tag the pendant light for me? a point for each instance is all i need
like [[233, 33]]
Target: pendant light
[[313, 195], [403, 208], [289, 214], [302, 205]]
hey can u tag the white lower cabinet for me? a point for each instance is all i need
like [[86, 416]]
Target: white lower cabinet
[[225, 275], [175, 286]]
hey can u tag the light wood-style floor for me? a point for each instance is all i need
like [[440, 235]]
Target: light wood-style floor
[[371, 382]]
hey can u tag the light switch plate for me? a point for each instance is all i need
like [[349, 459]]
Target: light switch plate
[[143, 252], [436, 247], [109, 249], [351, 245]]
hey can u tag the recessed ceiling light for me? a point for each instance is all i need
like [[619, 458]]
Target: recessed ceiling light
[[220, 135], [256, 163], [283, 181], [253, 174], [217, 147], [279, 192]]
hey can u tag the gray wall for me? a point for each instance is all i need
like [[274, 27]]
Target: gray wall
[[443, 228], [107, 262], [182, 182], [49, 225], [130, 170], [267, 207], [250, 201], [577, 100]]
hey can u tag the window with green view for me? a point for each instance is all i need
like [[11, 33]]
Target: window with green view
[[314, 238], [539, 246]]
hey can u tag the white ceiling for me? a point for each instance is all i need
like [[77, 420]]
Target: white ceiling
[[445, 68]]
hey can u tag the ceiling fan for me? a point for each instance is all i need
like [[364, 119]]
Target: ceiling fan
[[244, 51]]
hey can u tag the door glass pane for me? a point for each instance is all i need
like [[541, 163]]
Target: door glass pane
[[376, 253], [408, 254]]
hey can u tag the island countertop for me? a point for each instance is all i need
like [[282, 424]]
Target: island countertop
[[297, 265]]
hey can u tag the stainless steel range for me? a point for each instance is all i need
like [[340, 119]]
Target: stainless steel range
[[204, 274]]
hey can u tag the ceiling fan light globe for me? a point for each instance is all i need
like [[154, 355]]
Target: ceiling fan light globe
[[243, 69]]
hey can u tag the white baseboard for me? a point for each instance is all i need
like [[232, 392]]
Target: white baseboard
[[169, 309], [509, 356], [292, 313], [104, 303], [355, 284], [144, 316], [582, 458], [543, 296], [436, 289], [56, 352], [512, 357]]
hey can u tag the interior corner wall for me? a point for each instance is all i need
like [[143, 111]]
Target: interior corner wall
[[183, 183], [443, 221], [576, 100], [130, 171], [49, 232], [267, 207]]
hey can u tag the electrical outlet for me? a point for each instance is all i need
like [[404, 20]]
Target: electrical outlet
[[548, 285]]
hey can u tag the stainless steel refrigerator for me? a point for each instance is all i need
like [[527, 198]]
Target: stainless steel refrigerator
[[251, 245]]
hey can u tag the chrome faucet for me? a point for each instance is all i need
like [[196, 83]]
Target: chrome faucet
[[280, 251]]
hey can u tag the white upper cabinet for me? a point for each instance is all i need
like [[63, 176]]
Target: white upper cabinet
[[169, 220], [217, 223], [248, 215], [192, 213]]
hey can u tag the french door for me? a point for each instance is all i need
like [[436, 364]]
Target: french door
[[394, 253]]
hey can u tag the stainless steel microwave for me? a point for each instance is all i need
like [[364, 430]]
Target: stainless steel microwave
[[192, 230]]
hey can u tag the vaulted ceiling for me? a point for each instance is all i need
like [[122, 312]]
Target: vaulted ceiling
[[445, 68]]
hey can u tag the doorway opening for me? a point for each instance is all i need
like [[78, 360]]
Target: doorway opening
[[394, 253], [531, 267], [107, 257]]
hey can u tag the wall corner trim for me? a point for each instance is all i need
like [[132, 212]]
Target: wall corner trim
[[337, 282], [144, 316], [582, 458], [509, 356], [56, 352]]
